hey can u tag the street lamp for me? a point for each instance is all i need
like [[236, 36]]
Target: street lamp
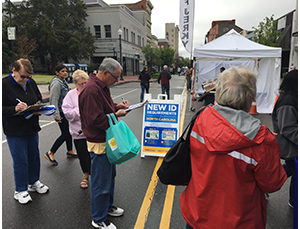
[[121, 58]]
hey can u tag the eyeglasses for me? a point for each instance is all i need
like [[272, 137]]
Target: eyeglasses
[[116, 78], [24, 77], [81, 84]]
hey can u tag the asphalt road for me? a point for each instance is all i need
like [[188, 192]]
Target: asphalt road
[[68, 206]]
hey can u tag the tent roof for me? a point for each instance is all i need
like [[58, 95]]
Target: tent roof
[[232, 45]]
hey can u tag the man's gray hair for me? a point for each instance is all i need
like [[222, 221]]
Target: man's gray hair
[[110, 65], [234, 84]]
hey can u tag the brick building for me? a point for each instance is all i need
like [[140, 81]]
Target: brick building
[[218, 28]]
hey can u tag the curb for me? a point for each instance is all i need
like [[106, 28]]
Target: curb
[[46, 99]]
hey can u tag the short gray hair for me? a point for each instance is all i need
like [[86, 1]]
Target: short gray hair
[[110, 65], [234, 84], [78, 74]]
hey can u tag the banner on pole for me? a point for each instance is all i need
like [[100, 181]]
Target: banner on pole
[[186, 23]]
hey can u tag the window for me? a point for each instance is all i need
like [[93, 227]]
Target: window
[[97, 31], [139, 40], [107, 31], [132, 37]]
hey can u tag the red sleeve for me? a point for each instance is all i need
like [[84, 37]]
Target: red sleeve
[[269, 173]]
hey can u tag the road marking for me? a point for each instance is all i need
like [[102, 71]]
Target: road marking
[[121, 95], [145, 208], [168, 205], [169, 199], [49, 123]]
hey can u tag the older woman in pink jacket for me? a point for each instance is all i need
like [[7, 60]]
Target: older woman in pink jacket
[[71, 111]]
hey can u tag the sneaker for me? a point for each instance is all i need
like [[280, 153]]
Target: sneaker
[[22, 197], [104, 225], [115, 211], [38, 187]]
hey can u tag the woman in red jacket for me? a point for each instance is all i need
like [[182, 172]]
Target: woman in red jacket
[[235, 160]]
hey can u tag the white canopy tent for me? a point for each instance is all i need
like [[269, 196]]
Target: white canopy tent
[[234, 49]]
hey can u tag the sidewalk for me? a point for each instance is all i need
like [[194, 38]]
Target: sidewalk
[[127, 79]]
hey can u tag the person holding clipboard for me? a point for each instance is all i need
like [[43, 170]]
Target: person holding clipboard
[[19, 91], [95, 102]]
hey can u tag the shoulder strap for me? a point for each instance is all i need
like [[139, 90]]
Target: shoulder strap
[[192, 122]]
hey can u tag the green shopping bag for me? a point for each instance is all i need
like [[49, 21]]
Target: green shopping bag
[[121, 143]]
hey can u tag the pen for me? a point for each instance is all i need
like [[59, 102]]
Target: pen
[[124, 101], [18, 100]]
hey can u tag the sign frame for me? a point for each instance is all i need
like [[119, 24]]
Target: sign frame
[[161, 121]]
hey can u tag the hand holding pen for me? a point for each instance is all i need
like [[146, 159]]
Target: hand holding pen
[[20, 106], [121, 106], [125, 102]]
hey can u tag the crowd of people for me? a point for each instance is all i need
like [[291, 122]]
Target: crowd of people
[[231, 171]]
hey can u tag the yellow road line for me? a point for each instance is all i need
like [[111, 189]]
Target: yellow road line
[[145, 208], [168, 205]]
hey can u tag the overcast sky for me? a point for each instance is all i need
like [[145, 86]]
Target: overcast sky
[[247, 13]]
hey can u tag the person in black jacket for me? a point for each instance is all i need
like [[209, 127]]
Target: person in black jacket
[[19, 90], [144, 78], [285, 125]]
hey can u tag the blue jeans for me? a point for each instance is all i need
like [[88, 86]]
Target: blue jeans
[[143, 87], [165, 89], [102, 186], [188, 226], [26, 160], [290, 169]]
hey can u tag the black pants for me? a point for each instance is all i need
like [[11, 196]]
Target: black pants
[[83, 155], [65, 135], [290, 169], [188, 83]]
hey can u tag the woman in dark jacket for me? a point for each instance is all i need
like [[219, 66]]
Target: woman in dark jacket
[[285, 124], [144, 78], [19, 90]]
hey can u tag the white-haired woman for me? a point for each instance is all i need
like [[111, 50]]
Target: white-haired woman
[[235, 160], [71, 111]]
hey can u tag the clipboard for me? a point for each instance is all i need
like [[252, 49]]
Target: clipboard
[[136, 106], [31, 108]]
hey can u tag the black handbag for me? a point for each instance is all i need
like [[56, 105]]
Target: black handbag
[[176, 166]]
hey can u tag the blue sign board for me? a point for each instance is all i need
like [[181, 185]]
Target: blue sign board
[[160, 126]]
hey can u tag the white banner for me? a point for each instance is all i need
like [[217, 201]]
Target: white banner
[[186, 23]]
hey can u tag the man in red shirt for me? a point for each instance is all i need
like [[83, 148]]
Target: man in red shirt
[[164, 78]]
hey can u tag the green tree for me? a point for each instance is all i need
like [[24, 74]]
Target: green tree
[[266, 32], [181, 61], [58, 28], [167, 56], [151, 55]]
